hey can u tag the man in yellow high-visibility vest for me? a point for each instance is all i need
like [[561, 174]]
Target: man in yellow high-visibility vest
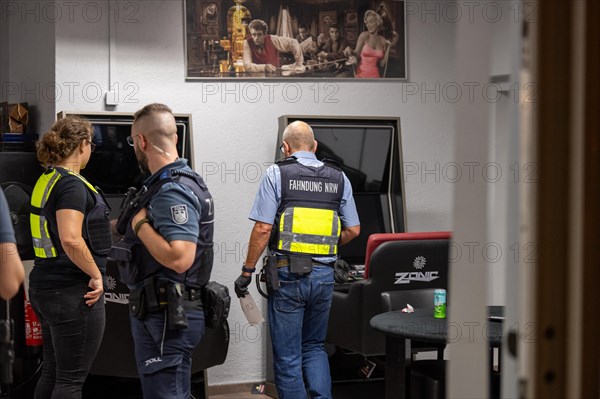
[[303, 210]]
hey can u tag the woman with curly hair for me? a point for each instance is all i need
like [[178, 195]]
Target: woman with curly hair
[[71, 237]]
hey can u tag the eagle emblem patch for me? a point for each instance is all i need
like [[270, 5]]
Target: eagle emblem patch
[[179, 214]]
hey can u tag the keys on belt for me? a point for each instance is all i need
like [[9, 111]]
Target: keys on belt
[[192, 294]]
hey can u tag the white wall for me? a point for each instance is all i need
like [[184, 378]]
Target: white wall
[[487, 53], [27, 59], [233, 135]]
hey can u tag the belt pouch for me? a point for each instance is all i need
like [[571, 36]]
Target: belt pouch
[[175, 312], [137, 304], [300, 265], [150, 293], [270, 265], [121, 252]]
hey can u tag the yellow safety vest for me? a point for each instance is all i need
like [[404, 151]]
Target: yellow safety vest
[[307, 221], [42, 242]]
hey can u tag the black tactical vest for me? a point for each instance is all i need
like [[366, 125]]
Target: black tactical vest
[[142, 265], [96, 222], [314, 188]]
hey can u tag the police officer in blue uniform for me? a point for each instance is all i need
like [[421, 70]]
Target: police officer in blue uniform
[[165, 256], [303, 210], [11, 268]]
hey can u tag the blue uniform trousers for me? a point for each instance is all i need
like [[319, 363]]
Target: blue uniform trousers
[[164, 356]]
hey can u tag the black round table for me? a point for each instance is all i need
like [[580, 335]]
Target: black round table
[[400, 328]]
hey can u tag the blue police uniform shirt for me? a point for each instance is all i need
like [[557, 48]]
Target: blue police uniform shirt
[[173, 210], [7, 233], [268, 197]]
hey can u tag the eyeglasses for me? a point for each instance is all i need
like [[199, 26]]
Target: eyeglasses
[[92, 145], [282, 148], [130, 140]]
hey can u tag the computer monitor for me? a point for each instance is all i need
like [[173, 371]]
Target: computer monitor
[[369, 152], [113, 166]]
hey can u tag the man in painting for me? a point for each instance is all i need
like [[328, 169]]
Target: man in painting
[[261, 51]]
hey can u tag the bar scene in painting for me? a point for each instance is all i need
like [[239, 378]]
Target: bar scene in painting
[[295, 39]]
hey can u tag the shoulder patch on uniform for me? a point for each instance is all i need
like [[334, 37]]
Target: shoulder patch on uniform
[[179, 214]]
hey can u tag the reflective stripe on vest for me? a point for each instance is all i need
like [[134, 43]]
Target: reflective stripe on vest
[[42, 243], [309, 231]]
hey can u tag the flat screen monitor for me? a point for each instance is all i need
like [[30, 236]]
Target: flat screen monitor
[[113, 166], [368, 150]]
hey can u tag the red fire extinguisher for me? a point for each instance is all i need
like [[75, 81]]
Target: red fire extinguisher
[[33, 329]]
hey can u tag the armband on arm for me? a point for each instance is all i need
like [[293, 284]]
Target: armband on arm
[[139, 225], [248, 270]]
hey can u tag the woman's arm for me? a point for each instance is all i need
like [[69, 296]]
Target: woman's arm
[[362, 38]]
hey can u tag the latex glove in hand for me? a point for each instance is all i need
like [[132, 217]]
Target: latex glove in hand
[[241, 285]]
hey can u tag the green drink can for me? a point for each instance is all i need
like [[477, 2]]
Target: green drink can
[[439, 303]]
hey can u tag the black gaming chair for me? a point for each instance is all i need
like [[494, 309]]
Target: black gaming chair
[[394, 262]]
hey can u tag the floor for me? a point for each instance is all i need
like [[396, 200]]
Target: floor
[[102, 388], [239, 396], [345, 369], [348, 383], [347, 390]]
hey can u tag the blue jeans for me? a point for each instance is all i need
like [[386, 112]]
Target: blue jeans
[[72, 333], [298, 315], [164, 356]]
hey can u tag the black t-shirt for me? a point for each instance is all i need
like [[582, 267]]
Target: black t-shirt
[[69, 192]]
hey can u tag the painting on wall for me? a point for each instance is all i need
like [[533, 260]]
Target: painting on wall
[[295, 39]]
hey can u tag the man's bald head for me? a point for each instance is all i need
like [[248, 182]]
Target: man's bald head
[[299, 136], [157, 123]]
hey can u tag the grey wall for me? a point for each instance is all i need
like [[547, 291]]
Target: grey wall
[[27, 57], [4, 49]]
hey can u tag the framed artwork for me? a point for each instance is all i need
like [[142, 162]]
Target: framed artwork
[[327, 18], [351, 18], [295, 39]]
